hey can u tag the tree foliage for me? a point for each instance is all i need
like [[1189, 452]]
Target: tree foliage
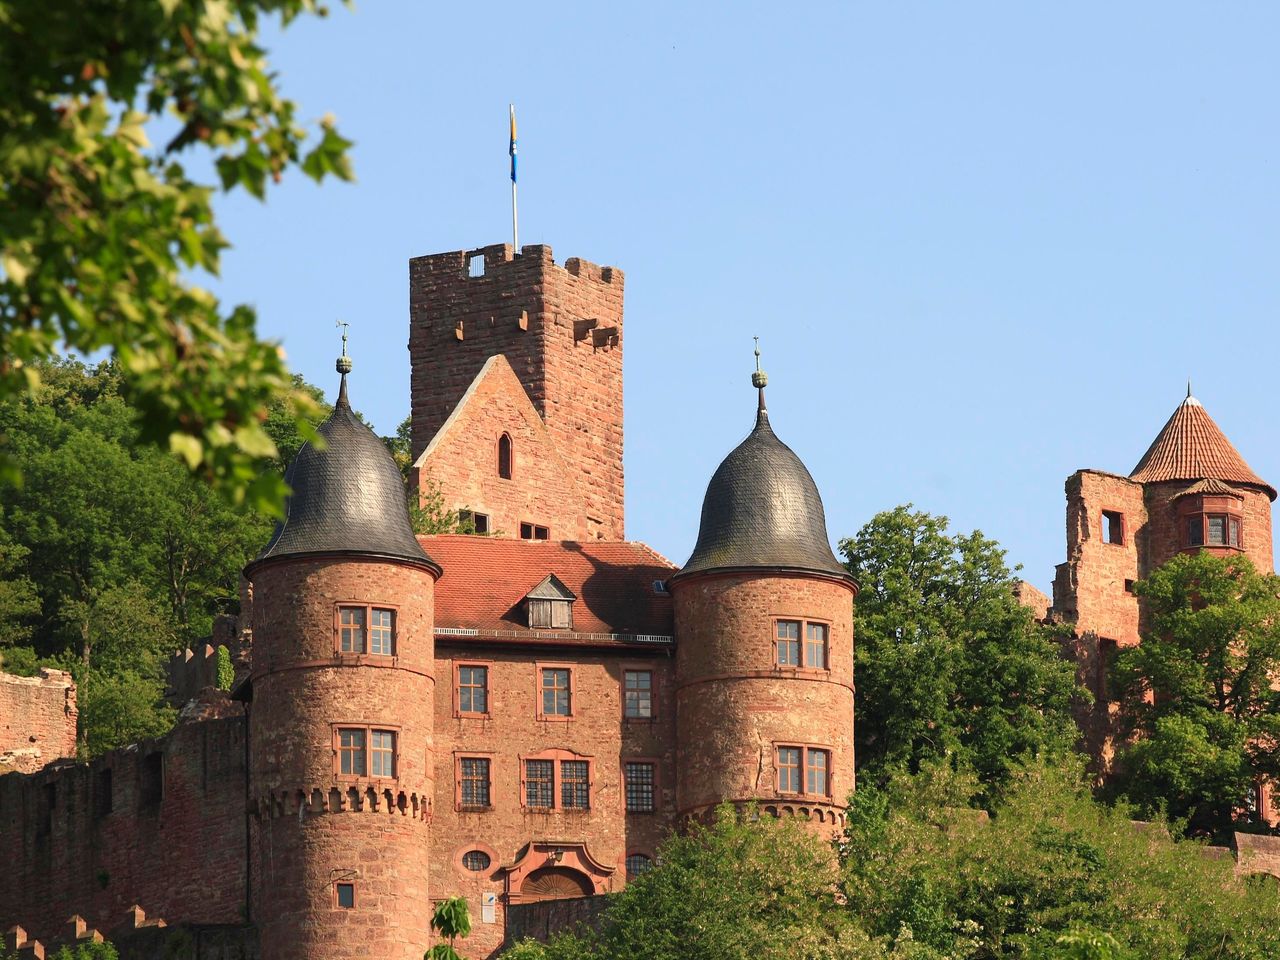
[[948, 663], [100, 230], [1052, 874], [453, 921], [1200, 715]]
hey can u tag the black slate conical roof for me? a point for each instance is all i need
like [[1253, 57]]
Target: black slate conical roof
[[348, 498], [762, 511]]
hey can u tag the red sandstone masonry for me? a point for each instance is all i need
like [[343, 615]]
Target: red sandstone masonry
[[596, 731], [37, 720], [734, 705], [182, 857], [561, 330], [313, 827]]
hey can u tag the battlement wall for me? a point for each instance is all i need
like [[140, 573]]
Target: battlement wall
[[37, 720], [161, 823]]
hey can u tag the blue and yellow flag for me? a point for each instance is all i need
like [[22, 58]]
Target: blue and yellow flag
[[513, 143]]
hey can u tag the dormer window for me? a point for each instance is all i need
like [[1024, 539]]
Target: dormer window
[[549, 605]]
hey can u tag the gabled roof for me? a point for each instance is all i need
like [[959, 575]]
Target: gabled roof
[[1192, 447], [486, 580], [550, 589]]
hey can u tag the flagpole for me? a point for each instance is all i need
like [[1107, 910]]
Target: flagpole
[[515, 222]]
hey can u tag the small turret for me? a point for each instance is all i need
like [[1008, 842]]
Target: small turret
[[764, 616]]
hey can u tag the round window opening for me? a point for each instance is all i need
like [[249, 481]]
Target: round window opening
[[476, 860]]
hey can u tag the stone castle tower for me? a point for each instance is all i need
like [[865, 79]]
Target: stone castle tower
[[343, 670]]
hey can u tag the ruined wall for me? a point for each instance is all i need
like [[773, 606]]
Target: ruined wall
[[463, 460], [161, 824], [596, 732], [1093, 588], [37, 720], [734, 704], [561, 330]]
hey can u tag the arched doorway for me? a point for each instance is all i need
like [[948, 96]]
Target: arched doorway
[[555, 883]]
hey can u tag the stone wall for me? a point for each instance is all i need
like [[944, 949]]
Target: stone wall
[[161, 823], [509, 832], [735, 705], [560, 329], [37, 720], [543, 920]]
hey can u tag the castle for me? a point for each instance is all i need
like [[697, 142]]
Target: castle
[[517, 718]]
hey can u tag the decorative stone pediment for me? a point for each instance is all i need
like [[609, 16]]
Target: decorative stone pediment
[[552, 869]]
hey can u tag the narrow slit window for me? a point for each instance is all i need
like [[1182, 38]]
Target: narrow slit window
[[504, 457]]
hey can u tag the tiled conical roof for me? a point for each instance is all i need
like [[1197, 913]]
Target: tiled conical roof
[[1192, 447]]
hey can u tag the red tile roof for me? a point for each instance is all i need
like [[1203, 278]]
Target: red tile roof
[[1192, 447], [486, 578]]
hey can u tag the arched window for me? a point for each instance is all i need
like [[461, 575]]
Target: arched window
[[504, 457], [637, 863]]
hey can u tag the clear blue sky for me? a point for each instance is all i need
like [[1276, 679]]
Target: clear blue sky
[[983, 244]]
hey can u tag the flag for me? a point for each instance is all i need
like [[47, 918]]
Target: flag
[[513, 143]]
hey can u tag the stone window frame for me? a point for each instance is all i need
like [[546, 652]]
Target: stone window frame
[[458, 757], [510, 458], [335, 730], [657, 785], [533, 531], [495, 861], [458, 713], [1103, 522], [804, 749], [369, 606], [653, 691], [557, 756], [542, 665], [801, 667]]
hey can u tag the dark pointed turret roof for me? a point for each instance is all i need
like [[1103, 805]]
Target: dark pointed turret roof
[[762, 511], [347, 498], [1192, 447]]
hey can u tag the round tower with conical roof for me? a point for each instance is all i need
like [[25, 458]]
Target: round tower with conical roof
[[764, 655], [340, 722], [1200, 494]]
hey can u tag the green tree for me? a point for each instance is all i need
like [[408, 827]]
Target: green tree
[[948, 663], [741, 888], [1052, 873], [100, 230], [453, 920], [1200, 716]]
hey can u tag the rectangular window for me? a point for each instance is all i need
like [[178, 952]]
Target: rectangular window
[[471, 522], [382, 632], [539, 783], [346, 895], [1195, 530], [556, 696], [534, 531], [351, 753], [1112, 527], [351, 629], [1217, 529], [383, 753], [475, 782], [639, 786], [473, 689], [788, 769], [788, 643], [816, 772], [1233, 535], [815, 645], [637, 693], [574, 786]]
